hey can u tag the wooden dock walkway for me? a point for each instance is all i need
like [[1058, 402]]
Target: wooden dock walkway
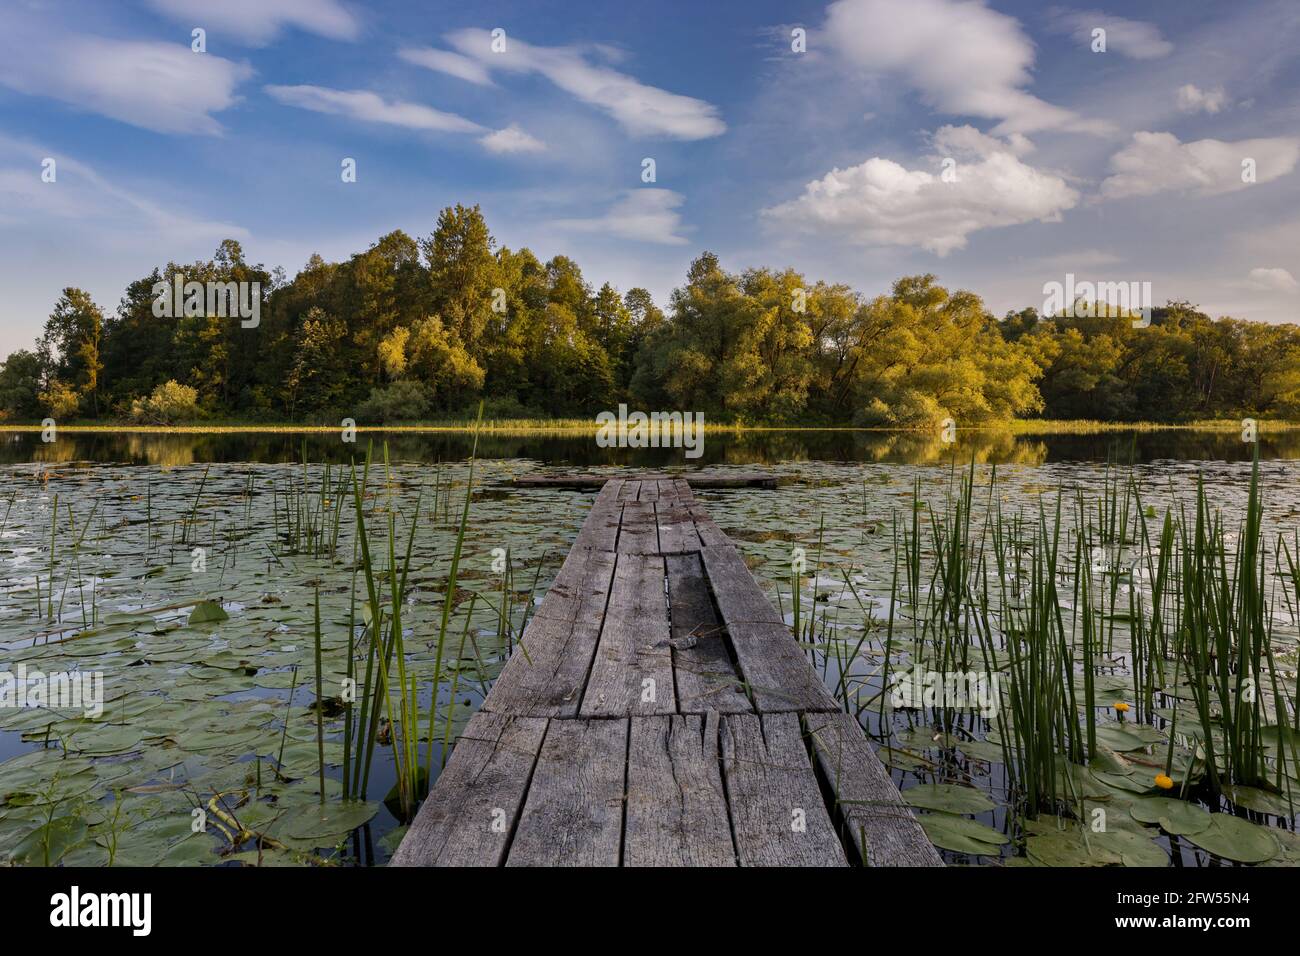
[[660, 713]]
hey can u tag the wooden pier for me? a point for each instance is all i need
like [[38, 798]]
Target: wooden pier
[[659, 713]]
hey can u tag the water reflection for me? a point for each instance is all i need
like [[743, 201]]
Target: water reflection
[[720, 448]]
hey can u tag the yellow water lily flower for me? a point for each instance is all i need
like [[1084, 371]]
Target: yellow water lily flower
[[1164, 782], [1121, 707]]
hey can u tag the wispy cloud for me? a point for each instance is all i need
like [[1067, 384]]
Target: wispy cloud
[[372, 108], [1274, 280], [964, 58], [1135, 39], [641, 215], [640, 109], [1158, 162], [258, 22], [881, 202], [163, 87]]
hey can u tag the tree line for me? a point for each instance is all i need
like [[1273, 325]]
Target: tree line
[[424, 329]]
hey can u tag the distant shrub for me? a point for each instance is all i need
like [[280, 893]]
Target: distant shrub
[[403, 401], [169, 404], [61, 401]]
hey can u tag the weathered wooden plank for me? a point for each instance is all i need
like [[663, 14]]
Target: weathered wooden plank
[[705, 674], [668, 490], [738, 594], [777, 813], [684, 493], [774, 670], [468, 818], [649, 490], [630, 491], [676, 529], [548, 679], [639, 533], [676, 805], [711, 536], [574, 812], [579, 591], [633, 672], [880, 826], [600, 530], [580, 481]]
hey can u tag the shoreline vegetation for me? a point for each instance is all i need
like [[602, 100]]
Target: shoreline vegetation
[[580, 426]]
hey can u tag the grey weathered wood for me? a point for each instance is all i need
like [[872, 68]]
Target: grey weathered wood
[[668, 490], [574, 812], [478, 795], [579, 591], [600, 529], [547, 680], [676, 805], [638, 533], [706, 676], [777, 813], [630, 491], [880, 826], [633, 672], [711, 536], [580, 481], [774, 669], [683, 489], [649, 490], [676, 529]]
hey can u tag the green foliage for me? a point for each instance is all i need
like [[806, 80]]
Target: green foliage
[[404, 401], [170, 404], [453, 318]]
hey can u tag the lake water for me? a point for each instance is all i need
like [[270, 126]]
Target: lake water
[[107, 541]]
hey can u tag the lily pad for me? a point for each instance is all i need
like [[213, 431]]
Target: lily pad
[[1235, 839], [1174, 816], [962, 835], [949, 798], [208, 612]]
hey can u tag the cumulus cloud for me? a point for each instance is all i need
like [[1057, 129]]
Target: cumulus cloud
[[642, 215], [881, 202], [258, 22], [1274, 280], [1135, 39], [1193, 99], [963, 57], [372, 108], [1158, 162], [158, 86], [640, 109], [511, 140]]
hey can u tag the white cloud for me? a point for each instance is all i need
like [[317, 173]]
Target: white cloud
[[258, 22], [1158, 162], [1193, 99], [642, 110], [511, 140], [372, 108], [1132, 38], [881, 202], [159, 86], [964, 58], [1275, 280], [642, 215], [444, 61]]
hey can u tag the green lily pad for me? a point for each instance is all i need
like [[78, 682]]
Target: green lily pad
[[208, 612], [962, 835], [1235, 839], [329, 822], [1174, 816], [1261, 801], [949, 798]]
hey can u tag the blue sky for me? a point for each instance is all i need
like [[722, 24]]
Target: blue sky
[[1120, 165]]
